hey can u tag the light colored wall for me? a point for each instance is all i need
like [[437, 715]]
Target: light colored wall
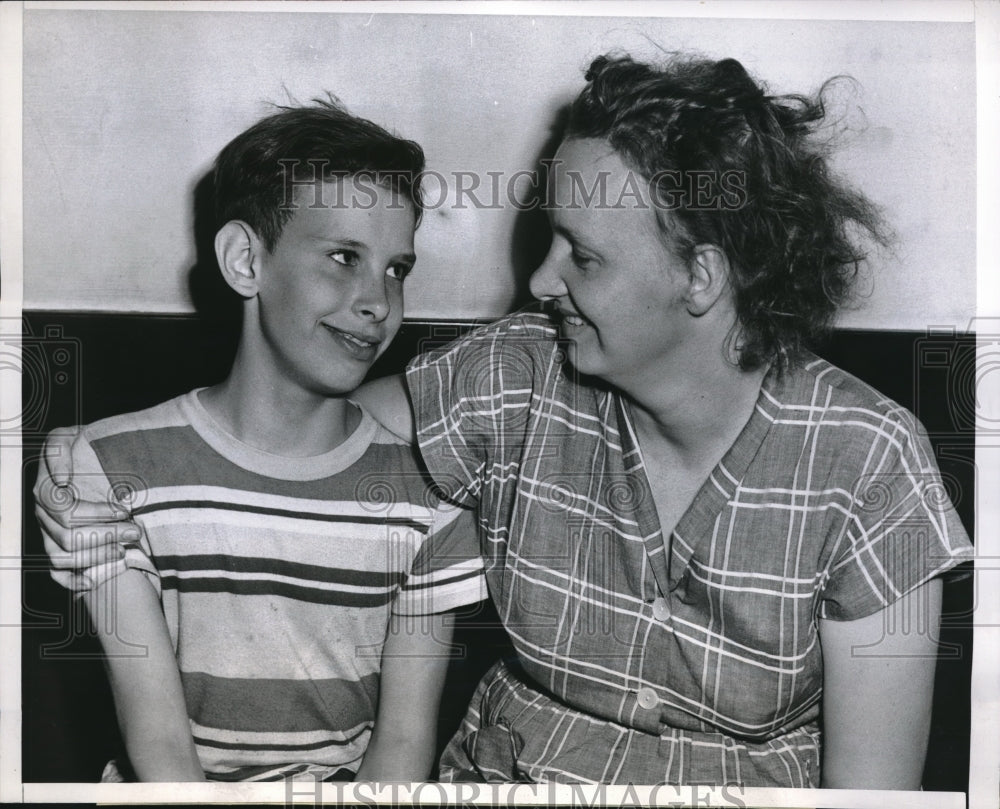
[[124, 110]]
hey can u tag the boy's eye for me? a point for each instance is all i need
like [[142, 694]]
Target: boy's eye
[[399, 271], [346, 257]]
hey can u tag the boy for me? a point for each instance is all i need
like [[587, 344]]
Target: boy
[[283, 530]]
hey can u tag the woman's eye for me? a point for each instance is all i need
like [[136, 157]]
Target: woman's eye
[[580, 260], [346, 257], [398, 271]]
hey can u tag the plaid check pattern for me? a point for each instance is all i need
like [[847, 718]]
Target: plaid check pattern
[[692, 658]]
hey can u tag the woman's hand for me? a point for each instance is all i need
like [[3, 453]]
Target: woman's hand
[[81, 527]]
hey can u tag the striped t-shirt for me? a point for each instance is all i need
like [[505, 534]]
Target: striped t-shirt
[[277, 576]]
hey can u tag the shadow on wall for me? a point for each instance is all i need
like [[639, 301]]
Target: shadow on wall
[[531, 234], [217, 305]]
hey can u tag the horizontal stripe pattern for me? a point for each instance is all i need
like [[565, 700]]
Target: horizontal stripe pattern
[[244, 705], [255, 576], [277, 590], [268, 587], [200, 562], [276, 512]]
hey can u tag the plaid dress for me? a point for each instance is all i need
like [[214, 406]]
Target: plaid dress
[[688, 659]]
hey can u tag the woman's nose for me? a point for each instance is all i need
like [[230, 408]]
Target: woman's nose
[[546, 282]]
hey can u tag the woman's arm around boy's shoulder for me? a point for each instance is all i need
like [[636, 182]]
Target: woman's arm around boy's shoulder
[[388, 400]]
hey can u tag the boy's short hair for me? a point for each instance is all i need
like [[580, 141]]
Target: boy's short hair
[[256, 173]]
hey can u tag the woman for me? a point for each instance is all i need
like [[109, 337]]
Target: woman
[[692, 523], [695, 530]]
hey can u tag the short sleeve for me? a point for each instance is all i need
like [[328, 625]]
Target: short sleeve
[[901, 532], [447, 571], [472, 400], [90, 483]]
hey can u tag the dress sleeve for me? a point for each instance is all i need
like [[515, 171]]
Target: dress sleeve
[[447, 571], [472, 401], [90, 483], [901, 532]]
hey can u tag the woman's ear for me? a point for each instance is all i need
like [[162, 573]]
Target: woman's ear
[[708, 278], [236, 246]]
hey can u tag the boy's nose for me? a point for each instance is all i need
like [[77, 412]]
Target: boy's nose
[[372, 302]]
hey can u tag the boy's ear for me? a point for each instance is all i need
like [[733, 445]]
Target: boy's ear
[[236, 246], [708, 275]]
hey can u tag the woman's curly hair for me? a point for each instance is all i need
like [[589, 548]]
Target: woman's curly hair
[[786, 225]]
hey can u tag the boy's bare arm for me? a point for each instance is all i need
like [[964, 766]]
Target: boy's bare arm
[[145, 681], [414, 665], [388, 400]]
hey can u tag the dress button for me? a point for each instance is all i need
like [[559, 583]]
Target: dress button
[[661, 609], [647, 698]]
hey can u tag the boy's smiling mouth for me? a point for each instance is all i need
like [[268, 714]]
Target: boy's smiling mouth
[[360, 346]]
